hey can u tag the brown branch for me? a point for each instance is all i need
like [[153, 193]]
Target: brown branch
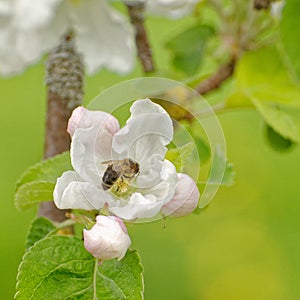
[[215, 81], [136, 13], [65, 91]]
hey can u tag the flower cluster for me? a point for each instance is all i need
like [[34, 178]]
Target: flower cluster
[[103, 35], [124, 170]]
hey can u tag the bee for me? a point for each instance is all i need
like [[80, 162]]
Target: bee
[[119, 174]]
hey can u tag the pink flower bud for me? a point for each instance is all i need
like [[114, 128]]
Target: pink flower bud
[[84, 118], [185, 199], [107, 239]]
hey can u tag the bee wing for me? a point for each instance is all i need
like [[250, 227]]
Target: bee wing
[[107, 162]]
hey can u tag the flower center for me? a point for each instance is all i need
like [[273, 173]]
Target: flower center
[[119, 175]]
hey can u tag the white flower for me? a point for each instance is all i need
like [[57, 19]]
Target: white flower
[[107, 239], [31, 28], [171, 8], [276, 9], [185, 199], [97, 149]]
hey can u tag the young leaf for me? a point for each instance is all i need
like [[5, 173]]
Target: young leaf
[[59, 267], [188, 47], [290, 33], [263, 81], [32, 193], [37, 183], [40, 227], [277, 141], [179, 156], [47, 170]]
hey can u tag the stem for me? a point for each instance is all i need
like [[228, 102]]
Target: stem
[[136, 14], [215, 81], [65, 90]]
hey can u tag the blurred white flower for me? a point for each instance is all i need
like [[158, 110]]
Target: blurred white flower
[[276, 9], [30, 28], [171, 8], [107, 239], [124, 168], [185, 199]]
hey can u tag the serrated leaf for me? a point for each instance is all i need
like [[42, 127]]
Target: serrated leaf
[[290, 33], [47, 170], [276, 141], [40, 227], [37, 183], [32, 193], [180, 156], [59, 267], [188, 47]]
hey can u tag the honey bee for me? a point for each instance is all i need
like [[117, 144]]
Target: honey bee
[[119, 174]]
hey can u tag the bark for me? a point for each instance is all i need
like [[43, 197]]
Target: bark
[[136, 14], [64, 82]]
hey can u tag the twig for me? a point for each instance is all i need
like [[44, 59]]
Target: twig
[[65, 91], [213, 82], [136, 14]]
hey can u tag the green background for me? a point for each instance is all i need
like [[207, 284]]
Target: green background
[[243, 246]]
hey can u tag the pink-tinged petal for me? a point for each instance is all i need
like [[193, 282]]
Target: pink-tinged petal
[[107, 239], [84, 118], [185, 199], [71, 192]]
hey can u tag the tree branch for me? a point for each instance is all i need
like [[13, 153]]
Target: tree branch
[[215, 81], [64, 81], [136, 13]]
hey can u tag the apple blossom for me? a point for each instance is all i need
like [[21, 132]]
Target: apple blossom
[[31, 28], [97, 142], [185, 199], [171, 8], [107, 239]]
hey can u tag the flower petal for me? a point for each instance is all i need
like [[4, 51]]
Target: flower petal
[[165, 189], [107, 239], [173, 9], [90, 147], [185, 199], [84, 118], [21, 46], [104, 37], [71, 192], [33, 16], [143, 139], [138, 206]]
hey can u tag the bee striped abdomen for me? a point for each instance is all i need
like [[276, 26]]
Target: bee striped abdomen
[[110, 176]]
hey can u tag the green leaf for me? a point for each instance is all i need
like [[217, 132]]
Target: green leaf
[[40, 227], [37, 183], [263, 82], [277, 141], [188, 47], [290, 33], [180, 156], [283, 119], [47, 170], [59, 267], [32, 193]]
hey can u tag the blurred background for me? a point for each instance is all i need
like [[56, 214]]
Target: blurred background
[[244, 245]]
